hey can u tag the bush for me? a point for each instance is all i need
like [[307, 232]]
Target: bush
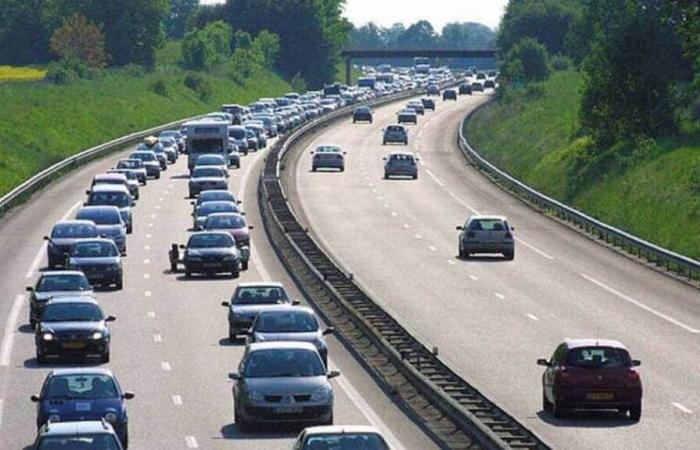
[[528, 60], [560, 62], [298, 83], [160, 87], [58, 73], [134, 70], [200, 85]]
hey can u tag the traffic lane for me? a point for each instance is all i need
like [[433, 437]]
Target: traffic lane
[[423, 208]]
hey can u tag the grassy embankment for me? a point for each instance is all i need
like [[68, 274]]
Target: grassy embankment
[[654, 195], [42, 123]]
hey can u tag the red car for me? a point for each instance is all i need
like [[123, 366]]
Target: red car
[[591, 374]]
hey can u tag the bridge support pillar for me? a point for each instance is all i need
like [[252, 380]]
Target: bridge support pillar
[[348, 71]]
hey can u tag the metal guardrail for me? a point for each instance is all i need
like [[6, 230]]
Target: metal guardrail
[[671, 261], [452, 411], [38, 181]]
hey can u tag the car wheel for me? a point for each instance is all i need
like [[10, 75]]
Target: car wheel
[[244, 426], [383, 142], [546, 404], [636, 412], [32, 324], [129, 229], [386, 176], [405, 142], [462, 253], [157, 177], [342, 169], [41, 359], [105, 357], [244, 265], [120, 284], [559, 410], [313, 169], [192, 194], [236, 274], [188, 274], [330, 420], [125, 442], [509, 255], [415, 177]]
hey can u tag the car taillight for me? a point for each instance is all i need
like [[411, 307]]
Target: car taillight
[[564, 375]]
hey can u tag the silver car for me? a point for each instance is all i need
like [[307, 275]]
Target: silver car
[[200, 215], [401, 164], [395, 133], [486, 234], [291, 324], [341, 437], [213, 196], [113, 195], [282, 382], [207, 178], [328, 157]]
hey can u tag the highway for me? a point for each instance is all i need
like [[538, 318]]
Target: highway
[[491, 319], [169, 343]]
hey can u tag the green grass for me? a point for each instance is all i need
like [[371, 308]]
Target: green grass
[[42, 124], [656, 196]]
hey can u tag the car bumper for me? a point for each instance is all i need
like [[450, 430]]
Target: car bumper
[[270, 413], [328, 164], [488, 247], [401, 172], [72, 348], [211, 266], [588, 399]]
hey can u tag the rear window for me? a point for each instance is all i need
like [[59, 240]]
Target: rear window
[[402, 158], [144, 156], [71, 230], [228, 221], [214, 207], [488, 225], [94, 250], [119, 199], [133, 164], [254, 295], [100, 216], [368, 441], [598, 357], [210, 241], [82, 441], [395, 129], [213, 172]]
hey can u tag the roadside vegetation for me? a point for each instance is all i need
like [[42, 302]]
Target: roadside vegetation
[[601, 111]]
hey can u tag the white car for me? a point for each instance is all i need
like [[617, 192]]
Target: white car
[[340, 437]]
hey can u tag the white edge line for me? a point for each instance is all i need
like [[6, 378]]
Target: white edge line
[[461, 202], [191, 442], [641, 305], [682, 408], [8, 338], [435, 178], [535, 249]]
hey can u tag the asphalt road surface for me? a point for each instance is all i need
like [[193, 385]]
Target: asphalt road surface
[[169, 343], [491, 318]]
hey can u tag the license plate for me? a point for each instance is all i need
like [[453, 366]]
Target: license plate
[[600, 396], [289, 410], [74, 345], [83, 406]]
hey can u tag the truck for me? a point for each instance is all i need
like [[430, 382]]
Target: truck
[[206, 137]]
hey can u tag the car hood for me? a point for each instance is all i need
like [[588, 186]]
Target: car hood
[[65, 327], [286, 385], [43, 296], [313, 337]]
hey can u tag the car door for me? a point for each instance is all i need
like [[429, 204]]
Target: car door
[[549, 377]]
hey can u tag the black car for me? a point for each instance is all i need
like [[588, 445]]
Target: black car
[[362, 114], [490, 84], [72, 326], [63, 236], [99, 260], [449, 94], [64, 283], [428, 103], [212, 252], [465, 89]]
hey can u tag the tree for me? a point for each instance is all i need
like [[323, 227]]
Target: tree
[[420, 35], [207, 47], [180, 12], [367, 37], [80, 39], [268, 46], [467, 35], [24, 36], [527, 60]]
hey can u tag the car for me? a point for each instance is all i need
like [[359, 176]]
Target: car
[[207, 178], [108, 221], [87, 435], [234, 224], [150, 162], [465, 89], [417, 106], [151, 143], [489, 84], [591, 374], [449, 94], [340, 437], [252, 139], [170, 148], [477, 86], [219, 206], [259, 130], [280, 382], [132, 181], [213, 196], [212, 161], [328, 157], [238, 134], [176, 136], [428, 103], [291, 324], [51, 285], [481, 76], [234, 156], [63, 235], [118, 178], [433, 89], [137, 166], [407, 116], [395, 133], [212, 252], [362, 114], [401, 164], [249, 299], [99, 259], [84, 396], [72, 326], [113, 195], [486, 234]]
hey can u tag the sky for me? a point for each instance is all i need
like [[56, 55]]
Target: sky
[[437, 12]]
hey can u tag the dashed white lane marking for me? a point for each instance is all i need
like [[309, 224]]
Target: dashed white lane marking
[[499, 295], [641, 305], [406, 226], [151, 314], [682, 408], [432, 248], [386, 205], [370, 184], [153, 216], [191, 442], [450, 262], [157, 206], [146, 261], [150, 225], [435, 178], [146, 276], [532, 317], [474, 278], [165, 366], [461, 202], [160, 199], [147, 247], [157, 338], [418, 236], [394, 214], [147, 293], [535, 249], [149, 235], [380, 198], [177, 400], [8, 338]]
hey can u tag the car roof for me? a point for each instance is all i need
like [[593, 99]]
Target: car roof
[[82, 371], [340, 429], [76, 428], [588, 342], [75, 222], [110, 175], [260, 284], [76, 299], [110, 188], [282, 345], [217, 202]]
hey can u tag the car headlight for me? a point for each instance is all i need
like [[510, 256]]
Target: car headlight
[[255, 396], [111, 418], [47, 337], [321, 394], [54, 418], [97, 335]]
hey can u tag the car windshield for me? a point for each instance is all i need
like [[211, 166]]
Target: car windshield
[[86, 386], [402, 159], [86, 441], [210, 161], [143, 156], [94, 250], [598, 357], [228, 221], [71, 312], [100, 216], [119, 199], [256, 295], [345, 441], [202, 172], [283, 362], [286, 322], [213, 196], [205, 240], [487, 225], [134, 164], [74, 230], [51, 283], [214, 207]]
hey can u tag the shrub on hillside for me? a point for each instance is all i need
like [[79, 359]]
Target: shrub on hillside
[[527, 61], [134, 70], [200, 85], [160, 87], [80, 39], [58, 73]]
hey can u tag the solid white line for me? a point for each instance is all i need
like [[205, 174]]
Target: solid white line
[[436, 179], [147, 293], [0, 413], [8, 339], [533, 317], [177, 400], [499, 295], [157, 338], [474, 278], [535, 249], [165, 366], [461, 202], [641, 305], [682, 408], [191, 442], [432, 248]]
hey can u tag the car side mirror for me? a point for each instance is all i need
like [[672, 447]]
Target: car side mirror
[[46, 238], [251, 227], [383, 159], [328, 330], [234, 376], [226, 304], [239, 201], [333, 374], [311, 153], [29, 289], [35, 398], [636, 363], [182, 246], [192, 203], [345, 153], [296, 303], [110, 319], [512, 228], [543, 362], [128, 395], [87, 192], [459, 227]]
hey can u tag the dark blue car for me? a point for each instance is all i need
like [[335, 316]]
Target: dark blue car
[[90, 394]]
